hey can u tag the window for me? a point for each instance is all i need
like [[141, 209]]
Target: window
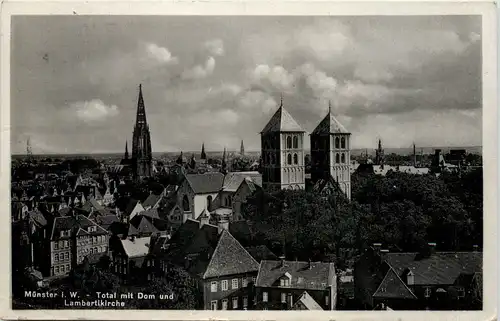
[[95, 250], [66, 256], [427, 292], [91, 251], [245, 301], [337, 158], [56, 257], [282, 282], [67, 267], [61, 244], [289, 142], [295, 142], [461, 292], [224, 285], [343, 158], [337, 143], [185, 203], [56, 246], [57, 270], [62, 233], [264, 296], [213, 286], [295, 159], [224, 304], [213, 305], [327, 300], [254, 279], [289, 159], [66, 243], [244, 282], [283, 297], [62, 269], [342, 142], [234, 284], [235, 303], [209, 202]]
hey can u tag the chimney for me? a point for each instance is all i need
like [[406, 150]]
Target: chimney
[[475, 248], [282, 259], [310, 265]]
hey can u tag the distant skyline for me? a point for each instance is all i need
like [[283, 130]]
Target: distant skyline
[[218, 80]]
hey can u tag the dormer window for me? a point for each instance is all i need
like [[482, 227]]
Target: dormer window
[[285, 280], [410, 278]]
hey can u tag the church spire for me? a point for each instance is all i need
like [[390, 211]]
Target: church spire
[[141, 110], [242, 149], [223, 165], [126, 149], [330, 107], [203, 154]]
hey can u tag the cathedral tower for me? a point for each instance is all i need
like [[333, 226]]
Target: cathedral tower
[[282, 152], [242, 148], [331, 152], [141, 142]]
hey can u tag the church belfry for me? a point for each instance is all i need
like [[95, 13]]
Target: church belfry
[[331, 152], [282, 153], [141, 142]]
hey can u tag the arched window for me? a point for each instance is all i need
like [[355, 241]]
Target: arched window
[[185, 204], [295, 142], [337, 142], [337, 158], [295, 159], [289, 142], [342, 142], [209, 202], [289, 159], [343, 158]]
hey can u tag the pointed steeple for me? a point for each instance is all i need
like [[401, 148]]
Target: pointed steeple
[[126, 149], [203, 155], [223, 165], [242, 149], [282, 121], [330, 124], [141, 110], [180, 159]]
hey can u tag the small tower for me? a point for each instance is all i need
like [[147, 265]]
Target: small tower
[[223, 167], [282, 152], [379, 154], [203, 155], [126, 150], [242, 149], [331, 152]]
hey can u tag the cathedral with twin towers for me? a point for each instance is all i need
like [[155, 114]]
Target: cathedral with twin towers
[[282, 161], [283, 155]]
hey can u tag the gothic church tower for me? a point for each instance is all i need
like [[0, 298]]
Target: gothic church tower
[[141, 142], [331, 152], [282, 152]]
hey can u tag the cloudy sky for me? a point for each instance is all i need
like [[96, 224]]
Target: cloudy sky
[[219, 79]]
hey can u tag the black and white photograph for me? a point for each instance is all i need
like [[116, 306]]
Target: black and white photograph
[[248, 162]]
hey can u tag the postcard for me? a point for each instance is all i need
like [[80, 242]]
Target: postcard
[[241, 160]]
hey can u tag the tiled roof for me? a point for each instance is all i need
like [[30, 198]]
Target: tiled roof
[[315, 278], [131, 206], [145, 226], [107, 220], [329, 125], [74, 224], [393, 287], [37, 217], [152, 213], [151, 201], [309, 302], [230, 258], [205, 183], [205, 239], [233, 180], [137, 247], [261, 252], [282, 121], [437, 269]]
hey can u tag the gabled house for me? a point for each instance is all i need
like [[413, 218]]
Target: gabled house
[[306, 302], [280, 284], [417, 281]]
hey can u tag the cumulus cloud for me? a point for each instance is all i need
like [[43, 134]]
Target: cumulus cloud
[[160, 54], [215, 47], [276, 77], [200, 71], [256, 101], [94, 110]]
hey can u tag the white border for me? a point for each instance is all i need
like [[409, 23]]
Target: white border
[[132, 7]]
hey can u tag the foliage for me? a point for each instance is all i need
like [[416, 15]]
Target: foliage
[[177, 282], [402, 210]]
